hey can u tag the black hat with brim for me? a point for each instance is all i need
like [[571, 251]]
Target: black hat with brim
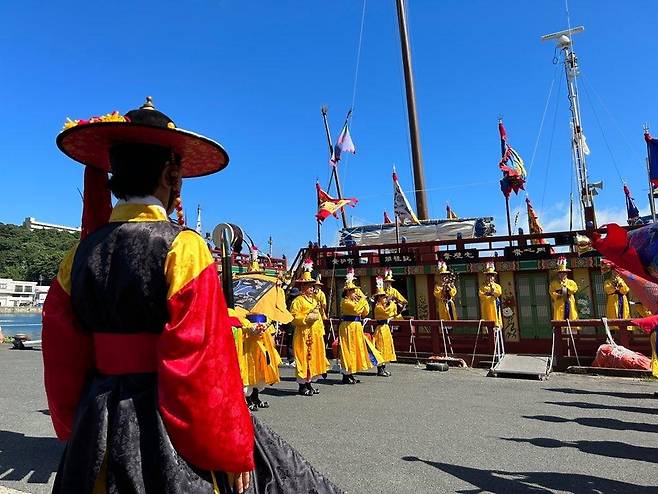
[[89, 141]]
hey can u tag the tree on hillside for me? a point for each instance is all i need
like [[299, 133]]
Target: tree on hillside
[[30, 255]]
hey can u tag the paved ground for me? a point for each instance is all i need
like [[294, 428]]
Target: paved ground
[[417, 432]]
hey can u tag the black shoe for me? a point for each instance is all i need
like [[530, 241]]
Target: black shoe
[[304, 391], [354, 380], [324, 376], [315, 391], [257, 401], [381, 371], [251, 405], [347, 379]]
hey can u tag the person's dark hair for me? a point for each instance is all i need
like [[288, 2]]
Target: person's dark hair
[[136, 169]]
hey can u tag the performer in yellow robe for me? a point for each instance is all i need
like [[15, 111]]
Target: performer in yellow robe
[[260, 358], [393, 294], [310, 361], [444, 294], [616, 291], [562, 293], [384, 310], [490, 292], [353, 348], [318, 339]]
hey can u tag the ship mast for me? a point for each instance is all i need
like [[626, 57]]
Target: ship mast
[[414, 133], [578, 146]]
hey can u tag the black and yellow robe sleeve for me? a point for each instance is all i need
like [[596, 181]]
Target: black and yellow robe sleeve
[[141, 371]]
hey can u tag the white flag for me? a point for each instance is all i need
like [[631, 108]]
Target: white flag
[[401, 206]]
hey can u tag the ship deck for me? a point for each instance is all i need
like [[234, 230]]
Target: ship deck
[[418, 431]]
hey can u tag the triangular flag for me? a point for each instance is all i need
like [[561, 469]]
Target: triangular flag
[[632, 211], [401, 206], [327, 205], [533, 224], [450, 214], [387, 220]]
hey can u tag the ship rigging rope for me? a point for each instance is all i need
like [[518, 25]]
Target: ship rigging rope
[[605, 139], [550, 147], [356, 79], [541, 123]]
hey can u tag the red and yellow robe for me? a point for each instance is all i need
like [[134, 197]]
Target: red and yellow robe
[[136, 334]]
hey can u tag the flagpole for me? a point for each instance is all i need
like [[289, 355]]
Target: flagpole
[[334, 170], [509, 223], [652, 199]]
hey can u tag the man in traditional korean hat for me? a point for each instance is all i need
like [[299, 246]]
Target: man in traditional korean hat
[[385, 309], [141, 371], [392, 292], [354, 352], [562, 291], [616, 291], [490, 292], [310, 357], [444, 293]]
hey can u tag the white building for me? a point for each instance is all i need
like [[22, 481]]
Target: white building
[[21, 293], [33, 224]]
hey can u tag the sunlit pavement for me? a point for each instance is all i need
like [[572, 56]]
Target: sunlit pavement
[[415, 432]]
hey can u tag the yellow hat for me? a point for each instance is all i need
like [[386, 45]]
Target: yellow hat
[[489, 268], [306, 275], [388, 275], [442, 268], [562, 265]]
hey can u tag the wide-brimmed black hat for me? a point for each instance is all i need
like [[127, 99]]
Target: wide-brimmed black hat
[[89, 141]]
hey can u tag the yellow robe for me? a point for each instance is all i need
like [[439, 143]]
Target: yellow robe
[[238, 335], [353, 350], [307, 341], [322, 306], [490, 303], [559, 300], [614, 293], [445, 306], [654, 357], [261, 358], [383, 338]]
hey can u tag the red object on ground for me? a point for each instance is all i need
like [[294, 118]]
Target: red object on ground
[[335, 348], [618, 357]]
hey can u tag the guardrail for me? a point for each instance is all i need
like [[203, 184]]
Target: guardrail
[[579, 348]]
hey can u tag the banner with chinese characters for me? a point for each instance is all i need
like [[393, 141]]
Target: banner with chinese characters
[[465, 255], [524, 253], [341, 262], [403, 259]]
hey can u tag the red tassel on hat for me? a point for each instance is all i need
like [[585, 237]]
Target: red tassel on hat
[[97, 203]]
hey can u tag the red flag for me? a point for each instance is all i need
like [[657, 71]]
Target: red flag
[[387, 220], [327, 205]]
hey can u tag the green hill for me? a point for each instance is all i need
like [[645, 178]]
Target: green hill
[[29, 255]]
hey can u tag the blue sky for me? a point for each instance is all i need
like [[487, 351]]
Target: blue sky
[[254, 75]]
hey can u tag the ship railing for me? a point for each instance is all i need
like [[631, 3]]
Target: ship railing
[[467, 250], [471, 340], [576, 342]]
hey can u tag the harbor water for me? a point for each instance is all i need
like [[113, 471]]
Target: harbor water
[[29, 324]]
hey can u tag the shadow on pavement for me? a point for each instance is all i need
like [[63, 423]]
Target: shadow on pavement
[[611, 449], [601, 423], [500, 481], [23, 456], [598, 406], [615, 394]]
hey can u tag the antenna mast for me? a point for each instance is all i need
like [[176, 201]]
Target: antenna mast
[[578, 146]]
